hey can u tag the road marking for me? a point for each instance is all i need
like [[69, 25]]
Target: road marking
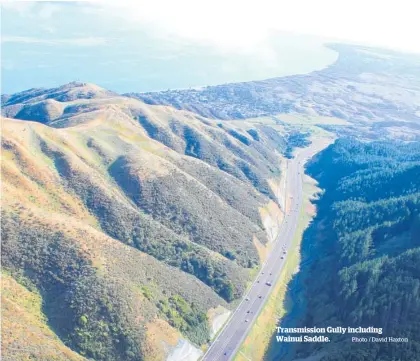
[[288, 227]]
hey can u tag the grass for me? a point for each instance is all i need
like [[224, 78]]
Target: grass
[[25, 333], [302, 119], [63, 192], [255, 345], [159, 332], [295, 119]]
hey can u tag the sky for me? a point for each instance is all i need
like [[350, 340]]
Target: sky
[[243, 23], [154, 45]]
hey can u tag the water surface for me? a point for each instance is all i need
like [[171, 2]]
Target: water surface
[[75, 44]]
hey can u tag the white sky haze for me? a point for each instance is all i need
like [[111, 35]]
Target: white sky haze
[[388, 23], [243, 24]]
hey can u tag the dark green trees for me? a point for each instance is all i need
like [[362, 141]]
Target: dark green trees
[[361, 255]]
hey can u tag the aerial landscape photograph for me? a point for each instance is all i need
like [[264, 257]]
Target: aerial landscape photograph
[[210, 180]]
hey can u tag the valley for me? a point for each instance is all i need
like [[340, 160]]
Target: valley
[[226, 345], [155, 226]]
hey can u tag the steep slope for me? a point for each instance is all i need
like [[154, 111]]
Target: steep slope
[[24, 326], [361, 254], [132, 222]]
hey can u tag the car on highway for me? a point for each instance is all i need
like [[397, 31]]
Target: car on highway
[[268, 283], [246, 320]]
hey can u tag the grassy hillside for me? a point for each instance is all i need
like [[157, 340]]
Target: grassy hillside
[[360, 263], [26, 335], [130, 222]]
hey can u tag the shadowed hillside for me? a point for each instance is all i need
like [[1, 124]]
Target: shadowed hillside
[[127, 222], [361, 254]]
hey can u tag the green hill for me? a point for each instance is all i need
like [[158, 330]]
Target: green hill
[[361, 254], [129, 221]]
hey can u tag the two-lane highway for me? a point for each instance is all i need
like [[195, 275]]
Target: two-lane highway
[[227, 343]]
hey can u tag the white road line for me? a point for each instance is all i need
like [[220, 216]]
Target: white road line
[[274, 264]]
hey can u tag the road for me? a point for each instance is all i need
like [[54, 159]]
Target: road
[[227, 343]]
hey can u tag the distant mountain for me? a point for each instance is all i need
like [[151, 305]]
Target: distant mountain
[[368, 87], [125, 223]]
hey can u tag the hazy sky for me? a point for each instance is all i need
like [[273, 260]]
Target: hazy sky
[[243, 23], [159, 44]]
